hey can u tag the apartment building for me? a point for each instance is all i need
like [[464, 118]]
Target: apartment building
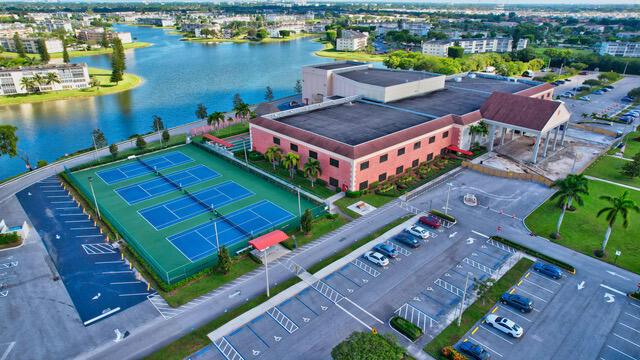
[[352, 40], [472, 45], [628, 49], [70, 76], [31, 45], [94, 36], [154, 21]]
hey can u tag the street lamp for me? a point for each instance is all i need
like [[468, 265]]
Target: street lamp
[[618, 253], [464, 295], [95, 201], [266, 269], [446, 206]]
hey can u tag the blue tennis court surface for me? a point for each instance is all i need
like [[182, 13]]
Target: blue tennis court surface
[[200, 241], [171, 212], [155, 187], [132, 170]]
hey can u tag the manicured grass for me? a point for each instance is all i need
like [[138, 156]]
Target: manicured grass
[[371, 199], [632, 145], [330, 52], [609, 168], [9, 240], [452, 333], [80, 53], [583, 231], [232, 130], [321, 227], [106, 87]]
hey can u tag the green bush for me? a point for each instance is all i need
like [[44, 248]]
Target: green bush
[[255, 156], [406, 327], [442, 215], [635, 295], [353, 194], [534, 253], [9, 238]]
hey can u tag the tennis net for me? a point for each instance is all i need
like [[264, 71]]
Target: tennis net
[[145, 164], [195, 198], [228, 221], [165, 178]]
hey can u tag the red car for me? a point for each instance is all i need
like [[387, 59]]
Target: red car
[[430, 221]]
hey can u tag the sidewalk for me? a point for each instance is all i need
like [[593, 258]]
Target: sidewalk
[[612, 183]]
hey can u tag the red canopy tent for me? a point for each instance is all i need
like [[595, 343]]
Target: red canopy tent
[[267, 240], [218, 141], [458, 150]]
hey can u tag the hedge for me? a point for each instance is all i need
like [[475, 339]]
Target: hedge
[[406, 327], [443, 215], [536, 254]]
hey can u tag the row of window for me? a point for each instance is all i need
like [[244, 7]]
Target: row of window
[[416, 146], [399, 170], [312, 154]]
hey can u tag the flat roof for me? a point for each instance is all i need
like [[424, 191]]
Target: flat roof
[[384, 77], [337, 65], [362, 121]]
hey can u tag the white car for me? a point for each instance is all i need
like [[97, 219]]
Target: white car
[[376, 258], [418, 231], [505, 325]]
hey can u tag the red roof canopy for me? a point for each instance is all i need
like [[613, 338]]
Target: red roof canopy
[[458, 150], [268, 240], [217, 140]]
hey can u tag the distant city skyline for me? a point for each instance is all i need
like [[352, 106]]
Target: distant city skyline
[[456, 2]]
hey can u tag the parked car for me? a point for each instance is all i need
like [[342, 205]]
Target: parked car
[[418, 231], [627, 119], [518, 302], [626, 99], [567, 80], [610, 87], [386, 250], [560, 82], [548, 270], [584, 98], [633, 113], [598, 92], [408, 240], [474, 350], [584, 73], [376, 258], [505, 325], [605, 90], [431, 221]]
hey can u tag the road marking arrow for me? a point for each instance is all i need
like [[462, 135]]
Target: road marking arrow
[[256, 352], [616, 274], [581, 286], [306, 319], [610, 297], [452, 235]]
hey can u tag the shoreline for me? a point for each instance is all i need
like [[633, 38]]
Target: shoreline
[[81, 53], [329, 52], [243, 40], [129, 81]]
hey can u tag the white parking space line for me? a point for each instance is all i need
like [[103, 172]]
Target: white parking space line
[[5, 355], [480, 234], [86, 236], [627, 340], [116, 272], [137, 294], [638, 306], [629, 327], [485, 346], [514, 313], [620, 352], [633, 316], [545, 278], [76, 221], [541, 287], [614, 290], [526, 292], [486, 327], [83, 228], [353, 316], [125, 282]]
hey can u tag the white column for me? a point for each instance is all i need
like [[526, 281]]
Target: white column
[[536, 147], [492, 135], [564, 131], [546, 144], [504, 134], [555, 138]]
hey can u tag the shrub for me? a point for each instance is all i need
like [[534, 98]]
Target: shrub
[[406, 327], [635, 295], [331, 216], [534, 253], [9, 238], [255, 156], [450, 352], [443, 215], [140, 142], [353, 194]]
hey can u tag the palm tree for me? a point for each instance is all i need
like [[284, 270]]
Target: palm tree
[[52, 78], [618, 206], [28, 84], [291, 162], [242, 111], [312, 170], [570, 188], [274, 155], [215, 118], [478, 129], [95, 83]]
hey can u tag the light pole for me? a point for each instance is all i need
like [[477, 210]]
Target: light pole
[[299, 210], [446, 206], [95, 201], [266, 270], [618, 253], [215, 229], [464, 295]]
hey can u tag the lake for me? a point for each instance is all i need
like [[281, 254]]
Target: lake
[[177, 76]]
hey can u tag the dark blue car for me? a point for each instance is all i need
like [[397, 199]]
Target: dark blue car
[[518, 302], [407, 239], [474, 350], [386, 249], [548, 270]]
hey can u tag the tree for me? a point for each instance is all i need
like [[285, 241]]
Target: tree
[[65, 52], [274, 155], [166, 136], [113, 149], [290, 162], [632, 168], [331, 36], [609, 76], [480, 128], [41, 163], [8, 140], [634, 93], [99, 140], [95, 83], [118, 61], [298, 87], [42, 50], [215, 118], [579, 66], [19, 46], [268, 94], [262, 34], [224, 260], [29, 84], [104, 41], [618, 206], [571, 188], [368, 346], [201, 112], [157, 125], [306, 221], [237, 100], [52, 78], [312, 170], [285, 33], [140, 142], [242, 111], [455, 52]]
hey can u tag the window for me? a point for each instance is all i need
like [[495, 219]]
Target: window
[[432, 140], [382, 177], [363, 185], [417, 145], [334, 162], [445, 134], [364, 165], [276, 140], [384, 158], [293, 147], [333, 182], [430, 157], [399, 170], [313, 154], [415, 163], [401, 152]]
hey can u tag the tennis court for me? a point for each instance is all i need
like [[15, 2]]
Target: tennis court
[[136, 169], [200, 241], [155, 187], [185, 207]]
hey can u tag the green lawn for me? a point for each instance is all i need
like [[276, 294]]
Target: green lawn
[[235, 129], [321, 226], [583, 231], [78, 53], [330, 52], [609, 168], [452, 333], [106, 87], [632, 145], [371, 199]]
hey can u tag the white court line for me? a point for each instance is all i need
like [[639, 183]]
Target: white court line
[[619, 351], [58, 190], [57, 196], [485, 346], [612, 289], [627, 340], [78, 214], [635, 317], [629, 327], [539, 298], [486, 327], [137, 294], [66, 208], [503, 307], [480, 234], [541, 287], [5, 355]]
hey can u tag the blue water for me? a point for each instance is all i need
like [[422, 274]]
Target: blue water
[[178, 75]]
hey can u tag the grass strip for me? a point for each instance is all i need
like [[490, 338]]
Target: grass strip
[[321, 227], [536, 254], [452, 333]]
